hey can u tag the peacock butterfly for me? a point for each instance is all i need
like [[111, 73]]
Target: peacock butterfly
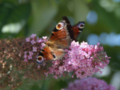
[[62, 36]]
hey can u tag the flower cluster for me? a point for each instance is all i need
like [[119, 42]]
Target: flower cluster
[[18, 60], [9, 58], [89, 84], [32, 46], [82, 59]]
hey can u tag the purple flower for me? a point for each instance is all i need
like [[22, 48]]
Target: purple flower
[[33, 42], [34, 49], [42, 45], [89, 84], [25, 56], [39, 40], [33, 36], [27, 39], [25, 60], [25, 52], [30, 53], [82, 59], [29, 57], [38, 66], [44, 37], [46, 73]]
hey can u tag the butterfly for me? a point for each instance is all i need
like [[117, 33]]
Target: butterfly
[[62, 36]]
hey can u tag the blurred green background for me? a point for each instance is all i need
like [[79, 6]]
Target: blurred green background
[[21, 18]]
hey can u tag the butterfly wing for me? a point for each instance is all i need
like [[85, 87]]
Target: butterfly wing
[[48, 54], [74, 31], [69, 28], [77, 29], [62, 34]]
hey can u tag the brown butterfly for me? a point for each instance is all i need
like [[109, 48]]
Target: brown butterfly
[[60, 39]]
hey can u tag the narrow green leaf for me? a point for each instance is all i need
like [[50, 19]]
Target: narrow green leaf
[[43, 13], [10, 13], [80, 10]]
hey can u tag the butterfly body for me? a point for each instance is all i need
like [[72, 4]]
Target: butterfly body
[[60, 39]]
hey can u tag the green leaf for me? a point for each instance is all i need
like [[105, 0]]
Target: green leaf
[[10, 13], [116, 66], [80, 10], [43, 13]]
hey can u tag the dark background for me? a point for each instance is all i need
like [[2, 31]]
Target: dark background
[[21, 18]]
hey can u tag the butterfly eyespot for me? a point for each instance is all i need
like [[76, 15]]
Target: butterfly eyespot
[[60, 25], [40, 59], [81, 25]]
